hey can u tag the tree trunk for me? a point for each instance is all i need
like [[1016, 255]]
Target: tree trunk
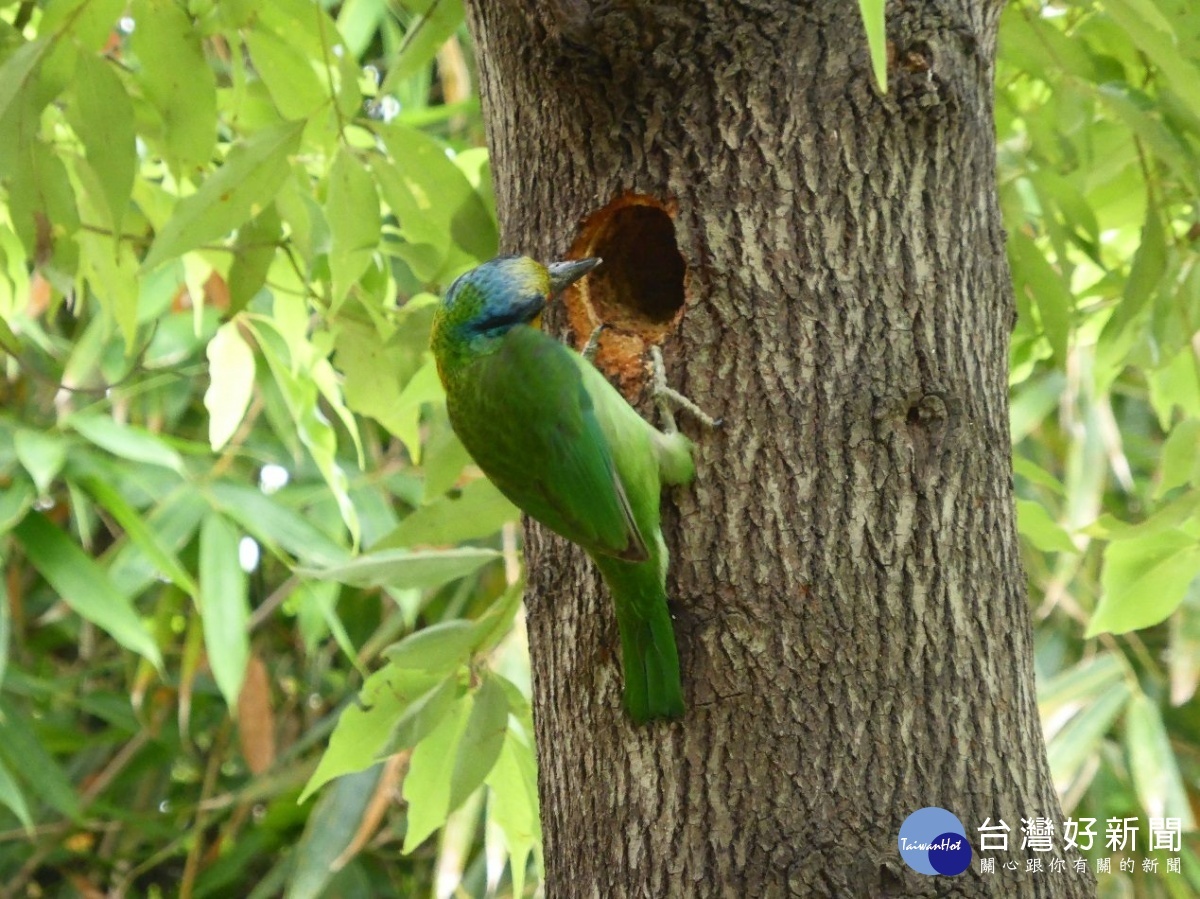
[[824, 266]]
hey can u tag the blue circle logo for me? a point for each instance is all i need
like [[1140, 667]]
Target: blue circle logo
[[933, 841]]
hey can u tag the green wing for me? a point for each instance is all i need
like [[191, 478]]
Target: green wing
[[526, 419]]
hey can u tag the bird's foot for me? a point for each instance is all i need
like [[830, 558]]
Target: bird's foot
[[666, 396], [593, 342]]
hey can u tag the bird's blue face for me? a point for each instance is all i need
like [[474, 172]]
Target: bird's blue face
[[495, 296], [504, 292]]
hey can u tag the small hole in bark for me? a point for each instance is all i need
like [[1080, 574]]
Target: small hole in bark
[[639, 291]]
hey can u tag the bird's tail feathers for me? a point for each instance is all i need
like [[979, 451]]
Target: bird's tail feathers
[[651, 660]]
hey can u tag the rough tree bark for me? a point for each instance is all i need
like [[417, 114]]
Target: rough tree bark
[[825, 268]]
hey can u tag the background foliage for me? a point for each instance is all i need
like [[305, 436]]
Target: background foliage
[[247, 563]]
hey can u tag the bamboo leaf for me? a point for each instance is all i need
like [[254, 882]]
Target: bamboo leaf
[[148, 539], [42, 454], [125, 441], [224, 606], [84, 585], [401, 568], [1153, 765]]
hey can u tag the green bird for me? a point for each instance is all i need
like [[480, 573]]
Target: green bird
[[563, 445]]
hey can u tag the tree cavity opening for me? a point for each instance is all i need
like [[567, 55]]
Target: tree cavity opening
[[641, 281], [638, 293]]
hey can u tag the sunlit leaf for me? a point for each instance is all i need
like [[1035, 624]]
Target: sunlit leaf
[[872, 12], [177, 79], [287, 71], [390, 699], [231, 383], [241, 188], [352, 211], [1144, 580], [479, 509], [1035, 523]]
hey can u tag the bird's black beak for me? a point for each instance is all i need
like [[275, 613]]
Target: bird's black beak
[[564, 274]]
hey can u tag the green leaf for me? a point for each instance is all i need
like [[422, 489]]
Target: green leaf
[[478, 510], [1035, 523], [9, 342], [352, 211], [148, 539], [435, 202], [1153, 765], [1035, 474], [251, 176], [300, 396], [231, 383], [1121, 331], [427, 784], [438, 649], [436, 22], [1180, 458], [513, 804], [84, 585], [254, 252], [1078, 740], [400, 568], [224, 606], [1153, 34], [15, 501], [1144, 580], [11, 796], [276, 525], [365, 730], [111, 269], [330, 828], [5, 627], [287, 72], [42, 454], [178, 81], [1081, 684], [481, 741], [28, 760], [173, 522], [874, 24], [1047, 289], [105, 126], [125, 441], [18, 72]]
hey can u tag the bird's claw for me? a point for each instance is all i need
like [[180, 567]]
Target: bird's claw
[[593, 342], [665, 396]]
